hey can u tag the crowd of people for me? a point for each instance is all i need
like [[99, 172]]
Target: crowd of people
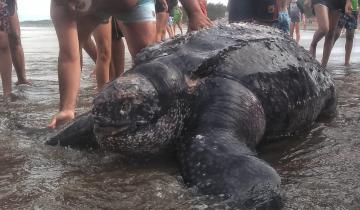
[[144, 22]]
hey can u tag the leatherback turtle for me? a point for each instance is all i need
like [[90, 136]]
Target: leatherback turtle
[[213, 95]]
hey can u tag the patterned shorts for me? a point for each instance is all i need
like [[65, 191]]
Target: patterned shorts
[[6, 10], [348, 21]]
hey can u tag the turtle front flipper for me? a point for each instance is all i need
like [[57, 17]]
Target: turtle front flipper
[[78, 134], [216, 164], [216, 158]]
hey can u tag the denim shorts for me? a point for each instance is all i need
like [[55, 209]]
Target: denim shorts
[[144, 11], [283, 22]]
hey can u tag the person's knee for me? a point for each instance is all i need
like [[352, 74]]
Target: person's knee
[[66, 56], [324, 30], [330, 34]]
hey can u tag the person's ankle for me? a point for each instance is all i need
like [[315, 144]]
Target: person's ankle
[[23, 82]]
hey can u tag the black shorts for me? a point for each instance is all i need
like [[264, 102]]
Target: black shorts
[[331, 4], [249, 10], [116, 33]]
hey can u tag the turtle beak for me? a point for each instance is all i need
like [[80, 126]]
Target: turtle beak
[[78, 134]]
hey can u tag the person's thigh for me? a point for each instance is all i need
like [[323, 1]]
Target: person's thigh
[[14, 24], [139, 35], [322, 16], [4, 42], [334, 16], [139, 26], [86, 25], [102, 36]]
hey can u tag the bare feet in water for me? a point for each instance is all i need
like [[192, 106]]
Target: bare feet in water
[[25, 82], [61, 118]]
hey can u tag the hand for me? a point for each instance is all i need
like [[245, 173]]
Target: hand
[[61, 118], [198, 21], [348, 7]]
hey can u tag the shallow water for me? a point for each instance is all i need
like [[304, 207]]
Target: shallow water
[[319, 171]]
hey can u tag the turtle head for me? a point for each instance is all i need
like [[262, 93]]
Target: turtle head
[[126, 106]]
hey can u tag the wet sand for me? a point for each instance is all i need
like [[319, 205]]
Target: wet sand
[[319, 171]]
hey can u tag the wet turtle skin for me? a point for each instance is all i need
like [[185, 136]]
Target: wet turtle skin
[[212, 96]]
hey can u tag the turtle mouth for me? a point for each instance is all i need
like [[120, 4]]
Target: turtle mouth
[[108, 122], [109, 126]]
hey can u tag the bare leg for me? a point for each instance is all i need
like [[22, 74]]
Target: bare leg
[[90, 48], [102, 35], [174, 28], [161, 21], [17, 52], [170, 31], [329, 37], [5, 64], [138, 35], [297, 31], [117, 58], [349, 45], [292, 29], [69, 60], [180, 27], [322, 16]]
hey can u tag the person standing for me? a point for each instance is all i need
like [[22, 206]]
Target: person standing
[[162, 16], [296, 13], [16, 49], [7, 8], [349, 22], [73, 28], [163, 9], [137, 24], [283, 22], [177, 18], [327, 13]]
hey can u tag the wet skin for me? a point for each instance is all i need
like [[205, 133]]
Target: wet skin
[[213, 96]]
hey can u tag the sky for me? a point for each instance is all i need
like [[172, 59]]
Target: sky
[[40, 9]]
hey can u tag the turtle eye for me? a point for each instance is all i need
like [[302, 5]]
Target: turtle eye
[[125, 108]]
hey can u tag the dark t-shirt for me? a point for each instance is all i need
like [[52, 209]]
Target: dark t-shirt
[[249, 10]]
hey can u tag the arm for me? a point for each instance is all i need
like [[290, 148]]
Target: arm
[[68, 64], [197, 19]]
